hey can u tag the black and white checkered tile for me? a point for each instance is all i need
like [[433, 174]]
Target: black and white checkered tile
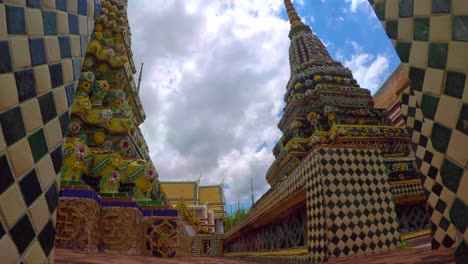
[[41, 56]]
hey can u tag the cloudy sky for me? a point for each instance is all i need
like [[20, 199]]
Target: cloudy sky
[[215, 75]]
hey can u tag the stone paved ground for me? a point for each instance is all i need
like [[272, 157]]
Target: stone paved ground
[[399, 256]]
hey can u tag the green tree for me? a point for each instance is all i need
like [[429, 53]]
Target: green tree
[[232, 220]]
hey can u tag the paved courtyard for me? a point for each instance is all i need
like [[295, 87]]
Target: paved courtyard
[[422, 255]]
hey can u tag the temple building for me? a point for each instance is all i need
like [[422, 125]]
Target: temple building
[[344, 181], [205, 202]]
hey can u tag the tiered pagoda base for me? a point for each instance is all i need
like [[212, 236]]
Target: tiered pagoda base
[[349, 208]]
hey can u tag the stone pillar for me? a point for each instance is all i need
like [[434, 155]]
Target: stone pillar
[[42, 44], [350, 211]]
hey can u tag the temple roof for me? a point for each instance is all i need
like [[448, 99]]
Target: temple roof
[[210, 194], [176, 190]]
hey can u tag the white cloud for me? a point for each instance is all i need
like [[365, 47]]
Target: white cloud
[[368, 69], [211, 88], [312, 19], [355, 4]]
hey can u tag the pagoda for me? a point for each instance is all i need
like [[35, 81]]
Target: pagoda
[[343, 176], [326, 105], [110, 196]]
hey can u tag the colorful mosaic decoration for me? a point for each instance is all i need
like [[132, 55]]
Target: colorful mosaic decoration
[[430, 37], [104, 144], [161, 236]]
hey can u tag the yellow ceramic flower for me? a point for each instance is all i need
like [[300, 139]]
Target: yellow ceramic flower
[[331, 116], [117, 102], [297, 86], [127, 124], [99, 137], [116, 161], [312, 116], [98, 28], [94, 45], [103, 68], [77, 165], [317, 78], [147, 188], [124, 59], [401, 167], [98, 35], [105, 86], [85, 105], [338, 79], [85, 85]]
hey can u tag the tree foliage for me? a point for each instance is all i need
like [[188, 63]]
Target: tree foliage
[[233, 219]]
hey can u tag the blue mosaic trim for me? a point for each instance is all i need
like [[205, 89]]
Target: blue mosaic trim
[[159, 212], [87, 194]]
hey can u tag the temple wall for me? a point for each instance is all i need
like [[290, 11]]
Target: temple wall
[[216, 245], [121, 230], [161, 236], [42, 44], [389, 91], [431, 39], [86, 221]]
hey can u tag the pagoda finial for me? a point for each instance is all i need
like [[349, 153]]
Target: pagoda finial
[[294, 18]]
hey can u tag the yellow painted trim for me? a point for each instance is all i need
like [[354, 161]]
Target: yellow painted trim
[[283, 252], [416, 234], [405, 182]]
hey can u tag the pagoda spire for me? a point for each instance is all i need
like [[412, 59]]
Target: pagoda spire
[[294, 18]]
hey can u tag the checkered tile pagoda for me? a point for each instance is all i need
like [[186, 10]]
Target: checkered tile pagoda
[[42, 46], [347, 164], [431, 39]]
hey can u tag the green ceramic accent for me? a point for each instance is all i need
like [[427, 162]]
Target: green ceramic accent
[[440, 137], [406, 8], [380, 11], [392, 29], [451, 175], [38, 144], [429, 105], [421, 29], [403, 50], [438, 55], [441, 6], [454, 84], [460, 28]]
